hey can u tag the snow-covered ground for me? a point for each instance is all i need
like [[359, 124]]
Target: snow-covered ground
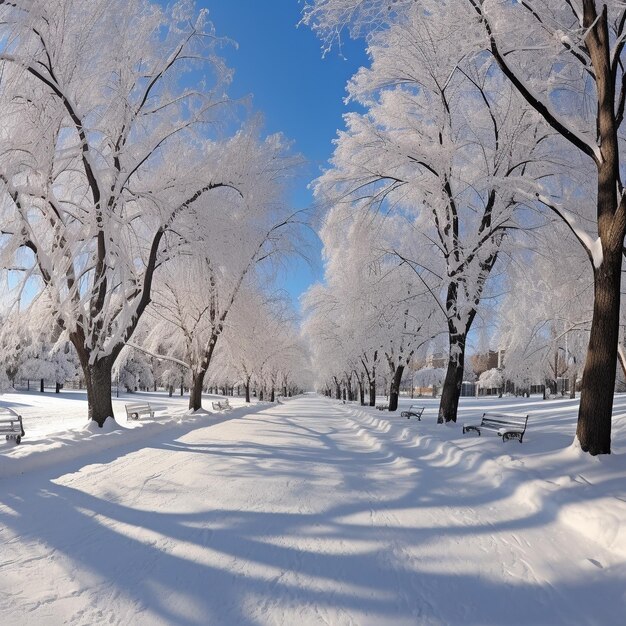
[[309, 512]]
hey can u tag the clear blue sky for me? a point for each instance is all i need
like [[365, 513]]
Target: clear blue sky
[[299, 93]]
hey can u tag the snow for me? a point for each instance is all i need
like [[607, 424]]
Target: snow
[[309, 512]]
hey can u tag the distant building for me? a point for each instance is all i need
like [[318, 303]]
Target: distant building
[[487, 361]]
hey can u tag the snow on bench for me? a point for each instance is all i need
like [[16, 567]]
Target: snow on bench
[[413, 411], [505, 425], [138, 409], [11, 425], [222, 405]]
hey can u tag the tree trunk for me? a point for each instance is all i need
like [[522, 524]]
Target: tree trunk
[[362, 391], [41, 386], [372, 392], [394, 391], [170, 390], [57, 388], [372, 387], [272, 396], [182, 383], [451, 392], [337, 391], [598, 380], [247, 387], [572, 389], [195, 395], [98, 381]]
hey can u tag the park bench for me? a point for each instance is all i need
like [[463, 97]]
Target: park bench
[[138, 409], [222, 405], [413, 411], [505, 425], [382, 407], [11, 425]]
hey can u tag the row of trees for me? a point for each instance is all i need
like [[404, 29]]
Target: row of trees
[[120, 171], [260, 351], [483, 119]]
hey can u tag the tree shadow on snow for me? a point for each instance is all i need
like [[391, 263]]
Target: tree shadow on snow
[[373, 554]]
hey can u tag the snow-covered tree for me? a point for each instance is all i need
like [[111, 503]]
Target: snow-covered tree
[[545, 316], [444, 143], [105, 156], [566, 59], [371, 310], [133, 370], [194, 293]]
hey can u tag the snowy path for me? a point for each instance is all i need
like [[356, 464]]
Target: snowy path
[[304, 513]]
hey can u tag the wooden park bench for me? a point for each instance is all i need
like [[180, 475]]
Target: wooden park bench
[[382, 407], [505, 425], [138, 409], [413, 411], [11, 425], [222, 405]]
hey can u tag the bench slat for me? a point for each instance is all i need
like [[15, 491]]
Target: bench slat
[[11, 425], [413, 411], [135, 410], [506, 425]]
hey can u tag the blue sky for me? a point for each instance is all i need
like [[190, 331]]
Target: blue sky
[[299, 93]]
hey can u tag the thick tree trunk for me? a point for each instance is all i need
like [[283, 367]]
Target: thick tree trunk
[[362, 392], [57, 389], [572, 388], [598, 380], [247, 388], [451, 392], [337, 391], [372, 387], [41, 386], [98, 381], [372, 392], [195, 394], [394, 391], [272, 396], [170, 391]]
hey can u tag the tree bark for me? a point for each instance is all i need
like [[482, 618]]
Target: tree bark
[[272, 395], [195, 395], [57, 388], [598, 380], [372, 392], [98, 381], [451, 392], [41, 386], [247, 388], [394, 391]]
